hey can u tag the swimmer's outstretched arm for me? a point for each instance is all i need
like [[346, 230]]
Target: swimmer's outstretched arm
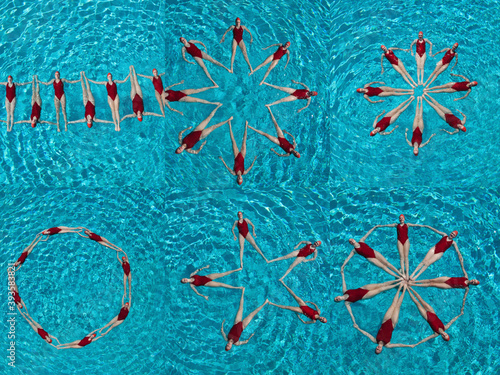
[[368, 233], [232, 229], [197, 41], [47, 83], [371, 83], [123, 80], [372, 101], [300, 83], [460, 259], [22, 84], [68, 81], [401, 49], [307, 105], [253, 226], [183, 50], [456, 61], [443, 130], [222, 330], [194, 289], [251, 166], [102, 121], [443, 50], [376, 119], [287, 58], [181, 132], [428, 227], [128, 116], [152, 114], [425, 143], [387, 133], [228, 30], [23, 122], [172, 109], [248, 31], [244, 341], [272, 45], [409, 144], [229, 169], [195, 152], [280, 155], [198, 270], [344, 287], [98, 82], [175, 84]]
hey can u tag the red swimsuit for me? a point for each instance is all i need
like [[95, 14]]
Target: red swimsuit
[[373, 91], [448, 57], [239, 164], [452, 120], [309, 312], [123, 314], [84, 341], [191, 139], [434, 322], [235, 332], [95, 237], [442, 245], [137, 104], [417, 138], [306, 251], [126, 268], [174, 96], [22, 258], [42, 333], [35, 111], [457, 282], [58, 89], [10, 92], [383, 124], [403, 229], [420, 47], [238, 34], [280, 52], [89, 110], [200, 280], [194, 51], [112, 90], [243, 228], [385, 332], [54, 230], [355, 294], [285, 145], [17, 299], [391, 57], [158, 84], [461, 86], [365, 250], [300, 94]]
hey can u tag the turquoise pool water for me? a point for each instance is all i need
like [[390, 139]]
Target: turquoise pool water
[[173, 213]]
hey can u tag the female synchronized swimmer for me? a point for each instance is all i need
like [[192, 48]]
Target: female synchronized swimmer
[[14, 290], [113, 98], [189, 141], [447, 116], [445, 282], [199, 56], [381, 91], [396, 63], [380, 126], [158, 87], [36, 106], [117, 320], [47, 337], [183, 96], [244, 234], [274, 59], [60, 96], [238, 29], [366, 292], [389, 321], [418, 129], [78, 344], [239, 324], [60, 230], [452, 87], [127, 275], [429, 315], [89, 104], [300, 255], [280, 140], [239, 156], [195, 280], [304, 94], [137, 99], [100, 240], [421, 55], [11, 100], [443, 63], [435, 252], [312, 314]]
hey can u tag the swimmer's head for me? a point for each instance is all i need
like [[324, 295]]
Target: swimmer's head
[[127, 304], [180, 149], [239, 180], [124, 258], [455, 46], [87, 232], [338, 299], [313, 93], [352, 241], [183, 40], [462, 128], [57, 74], [374, 131], [445, 336], [361, 91], [237, 20], [109, 76], [139, 116], [322, 319], [473, 83], [384, 48], [185, 280], [33, 122], [9, 79], [229, 345], [295, 153], [287, 44], [420, 34], [89, 121], [317, 244], [48, 339], [240, 214], [473, 282], [379, 348], [401, 218], [415, 148], [453, 234]]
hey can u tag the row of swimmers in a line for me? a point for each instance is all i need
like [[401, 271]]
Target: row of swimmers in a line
[[98, 333]]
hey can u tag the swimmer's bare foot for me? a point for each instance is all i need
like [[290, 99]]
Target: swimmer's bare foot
[[219, 105], [215, 87], [250, 73]]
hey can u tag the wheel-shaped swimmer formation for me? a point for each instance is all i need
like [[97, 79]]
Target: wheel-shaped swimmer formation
[[405, 283], [97, 333]]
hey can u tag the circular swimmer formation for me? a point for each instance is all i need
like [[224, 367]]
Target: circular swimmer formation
[[97, 333], [233, 336], [405, 283], [369, 91]]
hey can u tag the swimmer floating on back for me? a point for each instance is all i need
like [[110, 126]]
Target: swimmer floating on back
[[443, 64], [300, 255], [239, 324], [381, 91], [183, 96], [36, 106], [447, 116], [238, 29], [391, 116], [280, 140], [158, 87], [396, 63], [389, 321], [117, 320], [244, 234], [418, 129], [366, 292], [239, 156], [452, 87], [421, 55], [89, 104], [189, 141], [11, 100], [196, 280], [304, 94], [445, 282], [60, 96], [274, 59], [199, 56], [429, 315]]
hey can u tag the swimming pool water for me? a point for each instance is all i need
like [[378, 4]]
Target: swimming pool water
[[173, 213]]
